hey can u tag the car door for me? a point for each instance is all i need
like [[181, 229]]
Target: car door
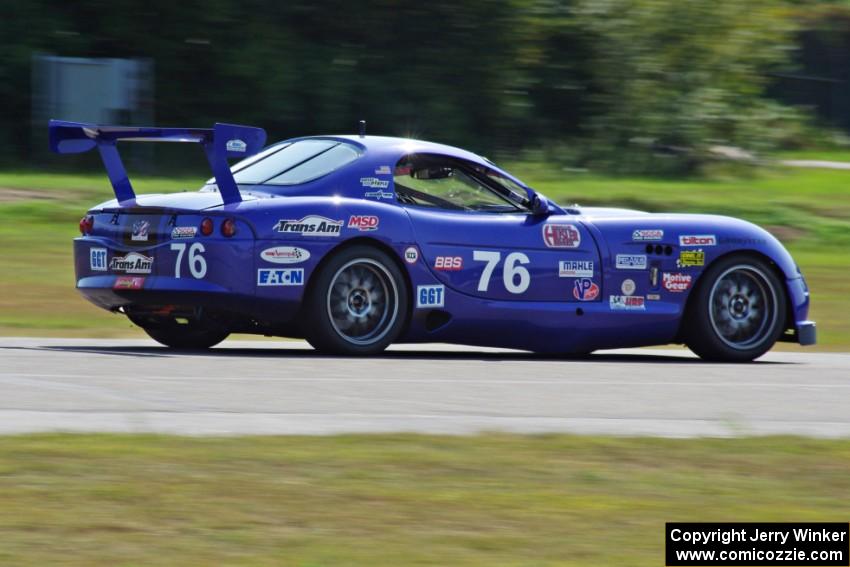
[[480, 242]]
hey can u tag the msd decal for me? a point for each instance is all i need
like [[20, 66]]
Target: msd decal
[[280, 276], [627, 303], [363, 222], [575, 269], [697, 240], [285, 255], [448, 263], [430, 296], [677, 282], [97, 259], [585, 289], [311, 225], [561, 236], [140, 230], [647, 234], [132, 263]]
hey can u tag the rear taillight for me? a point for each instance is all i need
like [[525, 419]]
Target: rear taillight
[[86, 225], [228, 227], [207, 226]]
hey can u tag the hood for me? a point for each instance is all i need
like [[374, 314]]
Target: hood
[[610, 212]]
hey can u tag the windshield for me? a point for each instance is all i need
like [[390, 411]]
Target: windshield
[[293, 163]]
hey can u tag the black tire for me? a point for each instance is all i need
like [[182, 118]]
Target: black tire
[[356, 304], [737, 312], [186, 336]]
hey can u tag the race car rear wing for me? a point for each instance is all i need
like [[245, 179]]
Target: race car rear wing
[[220, 143]]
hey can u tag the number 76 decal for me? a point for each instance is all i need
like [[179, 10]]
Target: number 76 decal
[[510, 271]]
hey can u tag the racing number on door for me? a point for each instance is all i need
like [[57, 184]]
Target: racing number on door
[[197, 263], [510, 271]]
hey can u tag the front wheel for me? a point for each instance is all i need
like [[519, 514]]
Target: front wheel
[[357, 303], [738, 311]]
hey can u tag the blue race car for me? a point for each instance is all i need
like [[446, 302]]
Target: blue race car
[[357, 242]]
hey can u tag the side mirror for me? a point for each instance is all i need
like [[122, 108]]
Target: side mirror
[[539, 205]]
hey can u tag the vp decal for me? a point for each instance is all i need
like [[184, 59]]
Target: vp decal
[[585, 289]]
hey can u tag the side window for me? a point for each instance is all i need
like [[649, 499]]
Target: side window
[[446, 183]]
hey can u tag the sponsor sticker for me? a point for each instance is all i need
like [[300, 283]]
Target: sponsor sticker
[[236, 146], [311, 225], [430, 296], [140, 230], [631, 261], [676, 282], [379, 194], [363, 222], [575, 269], [132, 263], [411, 254], [448, 263], [653, 296], [184, 232], [129, 282], [627, 303], [690, 258], [97, 259], [643, 235], [285, 255], [628, 287], [697, 240], [561, 236], [280, 276], [374, 183], [383, 170], [585, 289]]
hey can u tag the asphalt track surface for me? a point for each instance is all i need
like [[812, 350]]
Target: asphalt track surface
[[284, 387]]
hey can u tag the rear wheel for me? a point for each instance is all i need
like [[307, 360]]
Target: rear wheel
[[737, 312], [357, 303]]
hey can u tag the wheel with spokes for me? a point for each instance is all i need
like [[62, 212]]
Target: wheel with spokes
[[357, 303], [738, 311]]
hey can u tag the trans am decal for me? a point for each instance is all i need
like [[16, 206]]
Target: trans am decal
[[132, 263], [311, 225]]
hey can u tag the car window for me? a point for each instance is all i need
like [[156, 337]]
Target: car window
[[320, 165], [446, 183], [273, 166]]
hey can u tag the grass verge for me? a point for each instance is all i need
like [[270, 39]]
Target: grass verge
[[808, 209], [395, 499]]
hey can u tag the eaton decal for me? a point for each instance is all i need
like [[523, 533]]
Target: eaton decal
[[677, 283], [311, 225], [97, 259], [430, 296], [627, 303], [280, 276], [285, 255], [697, 240], [561, 236], [575, 269], [644, 235], [631, 261], [448, 263], [132, 263], [585, 289], [364, 223]]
